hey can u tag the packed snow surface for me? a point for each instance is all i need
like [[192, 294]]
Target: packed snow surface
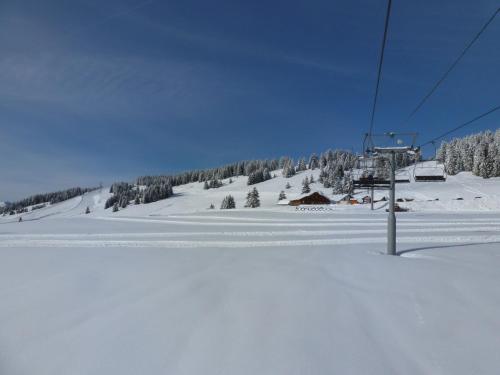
[[174, 288]]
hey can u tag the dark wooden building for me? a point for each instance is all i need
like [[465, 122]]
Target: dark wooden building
[[314, 198]]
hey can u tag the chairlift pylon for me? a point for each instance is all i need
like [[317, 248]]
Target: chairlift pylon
[[374, 166]]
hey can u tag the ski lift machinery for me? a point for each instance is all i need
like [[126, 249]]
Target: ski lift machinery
[[370, 173], [373, 168]]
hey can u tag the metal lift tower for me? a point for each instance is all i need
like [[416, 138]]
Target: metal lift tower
[[390, 151]]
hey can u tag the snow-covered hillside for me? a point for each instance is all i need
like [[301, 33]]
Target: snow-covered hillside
[[461, 192], [172, 287]]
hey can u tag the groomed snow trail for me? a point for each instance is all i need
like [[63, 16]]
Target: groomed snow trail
[[250, 292], [251, 230], [173, 288]]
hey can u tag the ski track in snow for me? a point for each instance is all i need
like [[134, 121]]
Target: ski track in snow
[[483, 238], [355, 220], [305, 223], [299, 233], [337, 231]]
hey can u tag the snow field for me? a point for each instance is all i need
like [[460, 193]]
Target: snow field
[[174, 288], [250, 300]]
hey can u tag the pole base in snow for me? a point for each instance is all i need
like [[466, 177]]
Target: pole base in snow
[[391, 234]]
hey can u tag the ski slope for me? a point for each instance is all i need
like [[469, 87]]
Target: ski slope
[[172, 287], [463, 192]]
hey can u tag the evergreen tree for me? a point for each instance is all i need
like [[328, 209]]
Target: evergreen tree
[[441, 153], [288, 186], [115, 207], [215, 183], [302, 165], [87, 210], [450, 163], [496, 155], [228, 203], [322, 176], [333, 164], [338, 186], [253, 199], [110, 201], [282, 195], [348, 185], [259, 175], [323, 161], [124, 202], [157, 192], [255, 177], [305, 187], [266, 175], [283, 161], [477, 153], [467, 156], [313, 162], [488, 167], [288, 169]]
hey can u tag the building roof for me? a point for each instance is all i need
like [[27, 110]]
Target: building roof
[[314, 198]]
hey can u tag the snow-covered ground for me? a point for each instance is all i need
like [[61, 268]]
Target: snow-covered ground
[[174, 288]]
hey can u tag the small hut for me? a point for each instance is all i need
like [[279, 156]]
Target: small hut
[[348, 199], [314, 198]]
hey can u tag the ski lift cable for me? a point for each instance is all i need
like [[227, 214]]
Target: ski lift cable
[[453, 65], [380, 64], [461, 126]]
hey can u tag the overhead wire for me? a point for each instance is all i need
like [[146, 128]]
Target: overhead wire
[[461, 126], [380, 64], [453, 65]]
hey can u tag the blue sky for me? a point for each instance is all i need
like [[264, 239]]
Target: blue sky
[[95, 91]]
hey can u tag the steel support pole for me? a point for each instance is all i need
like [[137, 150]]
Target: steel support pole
[[391, 220], [371, 199]]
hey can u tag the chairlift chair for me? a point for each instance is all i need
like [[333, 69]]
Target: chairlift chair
[[402, 176], [431, 171], [367, 175]]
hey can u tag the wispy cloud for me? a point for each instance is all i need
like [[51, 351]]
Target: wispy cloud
[[43, 65], [103, 84], [225, 43]]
